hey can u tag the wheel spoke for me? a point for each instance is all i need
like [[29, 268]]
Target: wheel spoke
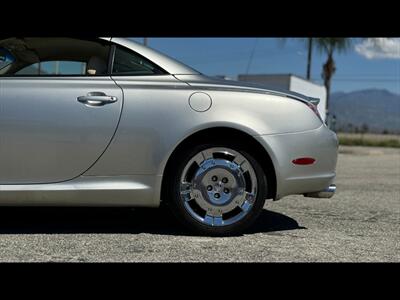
[[213, 220], [245, 165], [186, 196], [186, 190], [207, 154], [250, 197], [246, 206], [209, 220], [185, 186], [199, 158], [239, 160], [218, 221]]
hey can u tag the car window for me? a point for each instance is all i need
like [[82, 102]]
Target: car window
[[5, 58], [54, 57], [54, 68], [127, 62]]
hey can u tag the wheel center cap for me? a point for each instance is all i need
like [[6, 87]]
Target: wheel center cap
[[218, 182], [218, 187]]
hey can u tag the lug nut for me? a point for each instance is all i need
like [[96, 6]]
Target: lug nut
[[214, 178], [224, 180], [209, 188], [217, 195], [226, 191]]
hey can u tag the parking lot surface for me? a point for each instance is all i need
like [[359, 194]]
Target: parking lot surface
[[360, 224]]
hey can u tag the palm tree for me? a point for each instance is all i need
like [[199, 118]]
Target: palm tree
[[326, 46], [329, 46]]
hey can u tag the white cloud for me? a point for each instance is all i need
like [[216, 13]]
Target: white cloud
[[374, 48]]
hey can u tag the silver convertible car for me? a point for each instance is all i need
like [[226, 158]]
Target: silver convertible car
[[109, 122]]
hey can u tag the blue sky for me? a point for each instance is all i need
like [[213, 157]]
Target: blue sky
[[367, 65]]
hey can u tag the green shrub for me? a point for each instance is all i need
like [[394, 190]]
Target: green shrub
[[357, 141]]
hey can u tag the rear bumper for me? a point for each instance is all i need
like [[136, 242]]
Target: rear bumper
[[320, 144]]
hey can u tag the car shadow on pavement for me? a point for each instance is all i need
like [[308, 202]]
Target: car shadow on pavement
[[38, 220]]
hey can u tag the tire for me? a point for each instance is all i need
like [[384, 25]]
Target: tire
[[216, 188]]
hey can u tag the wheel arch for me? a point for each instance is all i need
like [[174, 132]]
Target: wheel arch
[[258, 151]]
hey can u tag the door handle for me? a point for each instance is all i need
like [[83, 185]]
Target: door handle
[[97, 99]]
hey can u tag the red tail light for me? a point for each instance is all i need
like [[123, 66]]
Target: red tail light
[[303, 161]]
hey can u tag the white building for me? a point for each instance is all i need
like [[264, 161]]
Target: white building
[[292, 83]]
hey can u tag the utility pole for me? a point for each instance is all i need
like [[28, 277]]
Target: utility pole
[[145, 41], [310, 47], [57, 67]]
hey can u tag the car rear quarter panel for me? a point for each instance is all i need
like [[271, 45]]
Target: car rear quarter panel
[[320, 144], [157, 116]]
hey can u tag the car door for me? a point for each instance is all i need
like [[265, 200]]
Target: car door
[[59, 108]]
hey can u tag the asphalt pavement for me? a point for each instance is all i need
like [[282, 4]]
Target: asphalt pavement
[[360, 224]]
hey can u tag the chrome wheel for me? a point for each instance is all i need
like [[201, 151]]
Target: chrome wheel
[[218, 186]]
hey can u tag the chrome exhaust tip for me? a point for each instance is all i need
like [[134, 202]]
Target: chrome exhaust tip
[[326, 193]]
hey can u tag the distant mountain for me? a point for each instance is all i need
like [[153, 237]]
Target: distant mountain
[[375, 109]]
